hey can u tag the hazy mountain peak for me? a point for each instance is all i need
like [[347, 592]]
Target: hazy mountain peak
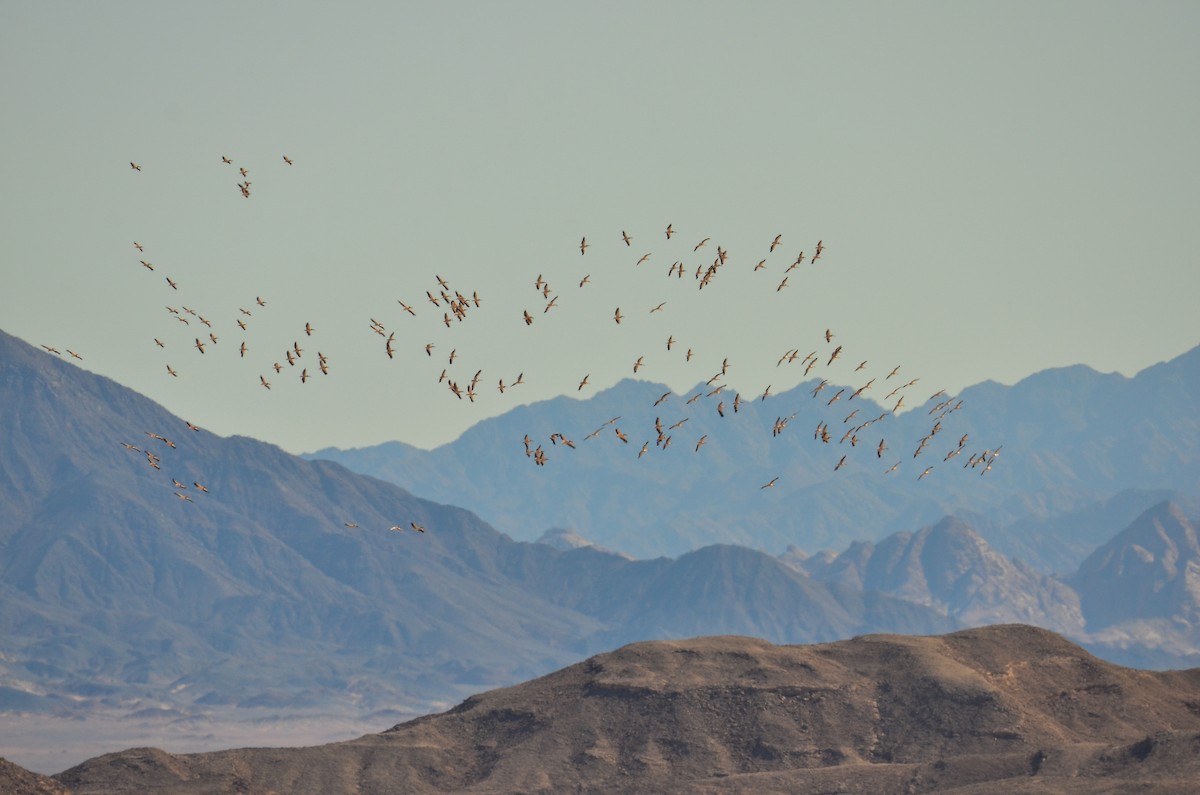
[[1149, 570]]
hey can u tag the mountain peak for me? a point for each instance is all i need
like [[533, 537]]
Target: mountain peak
[[1151, 569]]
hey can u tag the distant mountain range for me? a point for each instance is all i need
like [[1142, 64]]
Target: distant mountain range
[[281, 585], [287, 584], [1001, 709], [1081, 455]]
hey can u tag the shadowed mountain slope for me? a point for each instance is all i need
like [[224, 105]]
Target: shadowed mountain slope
[[1005, 707]]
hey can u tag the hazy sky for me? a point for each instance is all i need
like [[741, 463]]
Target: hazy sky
[[1000, 188]]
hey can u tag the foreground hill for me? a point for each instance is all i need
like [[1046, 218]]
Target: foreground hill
[[16, 780], [1006, 707], [1094, 448]]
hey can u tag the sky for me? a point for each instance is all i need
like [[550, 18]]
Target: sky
[[998, 189]]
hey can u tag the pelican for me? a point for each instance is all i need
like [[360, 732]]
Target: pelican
[[625, 236]]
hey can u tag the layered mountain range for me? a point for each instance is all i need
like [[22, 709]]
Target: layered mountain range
[[150, 566], [1081, 455]]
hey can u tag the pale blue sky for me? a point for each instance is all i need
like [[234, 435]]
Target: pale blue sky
[[1001, 188]]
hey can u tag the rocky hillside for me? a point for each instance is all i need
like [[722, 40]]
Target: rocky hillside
[[1008, 708]]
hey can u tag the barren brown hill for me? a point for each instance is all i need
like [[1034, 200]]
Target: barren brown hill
[[970, 712], [16, 780]]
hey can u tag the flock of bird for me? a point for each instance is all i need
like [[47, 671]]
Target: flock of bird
[[445, 306]]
